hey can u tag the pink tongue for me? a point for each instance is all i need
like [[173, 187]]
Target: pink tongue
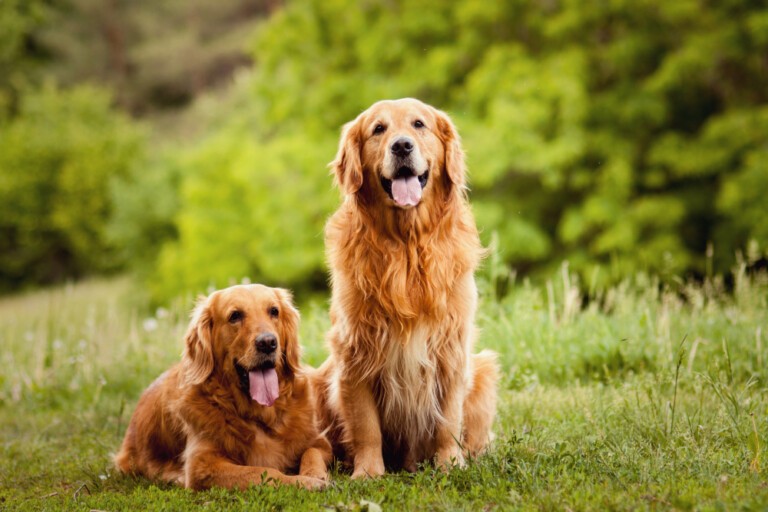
[[263, 386], [406, 191]]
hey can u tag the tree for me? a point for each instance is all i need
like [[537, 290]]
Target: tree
[[20, 53]]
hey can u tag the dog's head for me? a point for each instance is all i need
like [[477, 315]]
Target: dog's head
[[399, 152], [246, 334]]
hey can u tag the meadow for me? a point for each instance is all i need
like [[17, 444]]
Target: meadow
[[640, 396], [173, 145]]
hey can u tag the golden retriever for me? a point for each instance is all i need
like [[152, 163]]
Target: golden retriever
[[400, 385], [238, 407]]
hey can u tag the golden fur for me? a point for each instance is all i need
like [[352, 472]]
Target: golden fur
[[196, 425], [401, 385]]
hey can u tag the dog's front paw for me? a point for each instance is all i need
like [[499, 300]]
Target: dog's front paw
[[368, 464], [308, 482], [319, 474], [362, 471], [450, 458]]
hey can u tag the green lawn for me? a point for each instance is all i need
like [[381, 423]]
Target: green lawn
[[635, 397]]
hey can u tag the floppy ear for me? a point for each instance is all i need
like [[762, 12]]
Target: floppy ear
[[347, 166], [197, 359], [454, 156], [289, 335]]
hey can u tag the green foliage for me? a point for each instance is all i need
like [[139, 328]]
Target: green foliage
[[624, 136], [84, 197], [145, 201], [56, 160], [250, 210]]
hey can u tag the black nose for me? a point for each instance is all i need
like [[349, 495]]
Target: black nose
[[266, 343], [402, 147]]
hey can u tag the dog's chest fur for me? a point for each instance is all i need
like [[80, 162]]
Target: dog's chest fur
[[408, 370], [407, 390], [289, 433], [271, 452], [274, 437]]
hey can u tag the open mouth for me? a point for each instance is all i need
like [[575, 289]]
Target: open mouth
[[260, 382], [405, 188]]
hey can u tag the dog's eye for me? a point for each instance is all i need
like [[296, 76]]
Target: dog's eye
[[418, 124], [380, 128], [274, 312], [235, 316]]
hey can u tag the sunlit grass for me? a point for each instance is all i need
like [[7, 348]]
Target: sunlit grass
[[638, 396]]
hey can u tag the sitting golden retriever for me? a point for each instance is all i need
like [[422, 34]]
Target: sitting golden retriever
[[401, 385], [238, 407]]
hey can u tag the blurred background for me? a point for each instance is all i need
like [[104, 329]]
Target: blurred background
[[187, 142]]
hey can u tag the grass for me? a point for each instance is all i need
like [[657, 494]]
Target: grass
[[636, 397]]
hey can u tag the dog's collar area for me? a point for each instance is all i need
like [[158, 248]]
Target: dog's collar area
[[403, 172]]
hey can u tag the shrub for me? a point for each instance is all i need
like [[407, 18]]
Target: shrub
[[56, 160], [250, 210]]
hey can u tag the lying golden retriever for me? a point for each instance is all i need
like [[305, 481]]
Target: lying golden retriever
[[238, 407], [401, 385]]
